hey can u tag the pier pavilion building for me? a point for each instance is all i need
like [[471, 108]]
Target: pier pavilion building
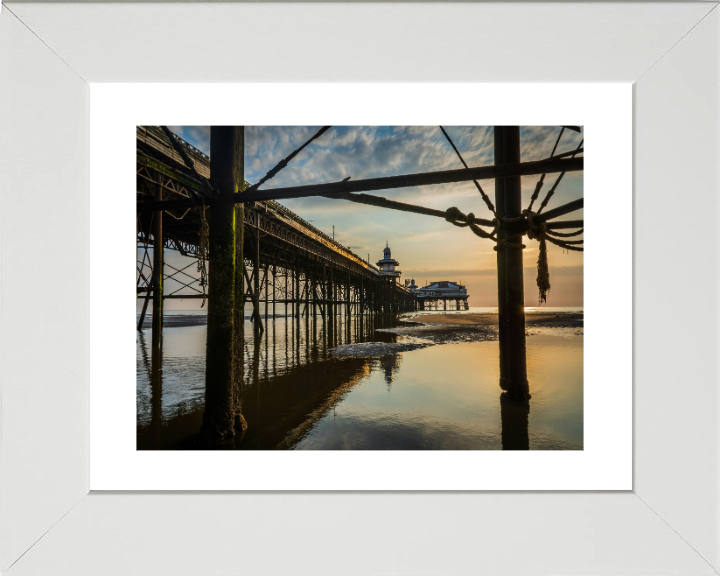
[[443, 291]]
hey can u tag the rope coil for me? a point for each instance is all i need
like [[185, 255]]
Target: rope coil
[[536, 231], [457, 218], [541, 233]]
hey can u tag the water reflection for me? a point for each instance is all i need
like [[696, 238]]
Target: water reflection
[[391, 364], [514, 414], [296, 394]]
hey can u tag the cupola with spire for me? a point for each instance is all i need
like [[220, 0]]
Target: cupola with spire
[[387, 264]]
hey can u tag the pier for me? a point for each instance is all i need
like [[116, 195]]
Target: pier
[[247, 248], [289, 266]]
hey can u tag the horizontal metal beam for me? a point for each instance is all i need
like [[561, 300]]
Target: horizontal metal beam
[[566, 154], [560, 211], [559, 225], [182, 296], [386, 183]]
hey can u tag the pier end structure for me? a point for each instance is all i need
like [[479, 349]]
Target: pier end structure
[[430, 296]]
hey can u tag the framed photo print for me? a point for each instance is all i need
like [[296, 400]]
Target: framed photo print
[[404, 266]]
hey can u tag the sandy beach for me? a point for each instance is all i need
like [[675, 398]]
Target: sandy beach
[[557, 319]]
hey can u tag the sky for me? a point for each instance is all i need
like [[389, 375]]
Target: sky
[[428, 248]]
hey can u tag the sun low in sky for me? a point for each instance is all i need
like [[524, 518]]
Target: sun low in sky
[[428, 248]]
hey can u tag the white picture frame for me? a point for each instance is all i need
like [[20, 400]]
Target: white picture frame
[[49, 523]]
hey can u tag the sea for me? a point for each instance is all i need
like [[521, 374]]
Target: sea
[[366, 383]]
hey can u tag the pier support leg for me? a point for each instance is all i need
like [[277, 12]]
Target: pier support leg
[[148, 295], [157, 276], [239, 310], [296, 297], [256, 288], [267, 289], [331, 293], [511, 298], [347, 297], [307, 290], [222, 415]]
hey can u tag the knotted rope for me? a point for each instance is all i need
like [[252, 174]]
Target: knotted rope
[[541, 233], [457, 218], [536, 231]]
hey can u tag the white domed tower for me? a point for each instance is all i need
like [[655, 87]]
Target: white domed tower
[[387, 264]]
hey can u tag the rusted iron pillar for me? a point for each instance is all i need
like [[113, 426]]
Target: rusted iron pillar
[[296, 297], [335, 290], [291, 273], [256, 265], [324, 292], [222, 417], [267, 289], [148, 295], [307, 286], [511, 298], [239, 310], [330, 307], [314, 293], [347, 296], [157, 275], [331, 293]]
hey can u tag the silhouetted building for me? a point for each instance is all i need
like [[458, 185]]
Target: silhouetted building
[[387, 264]]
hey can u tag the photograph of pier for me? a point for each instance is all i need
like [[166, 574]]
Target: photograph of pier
[[359, 288]]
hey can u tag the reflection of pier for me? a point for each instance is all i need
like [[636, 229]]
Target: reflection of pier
[[290, 382]]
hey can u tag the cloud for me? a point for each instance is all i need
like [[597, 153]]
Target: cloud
[[427, 247], [198, 136]]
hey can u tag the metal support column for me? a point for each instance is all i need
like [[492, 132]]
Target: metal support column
[[157, 277], [256, 266], [511, 298], [222, 415]]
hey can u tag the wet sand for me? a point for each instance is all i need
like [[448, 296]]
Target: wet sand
[[554, 319], [481, 326]]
